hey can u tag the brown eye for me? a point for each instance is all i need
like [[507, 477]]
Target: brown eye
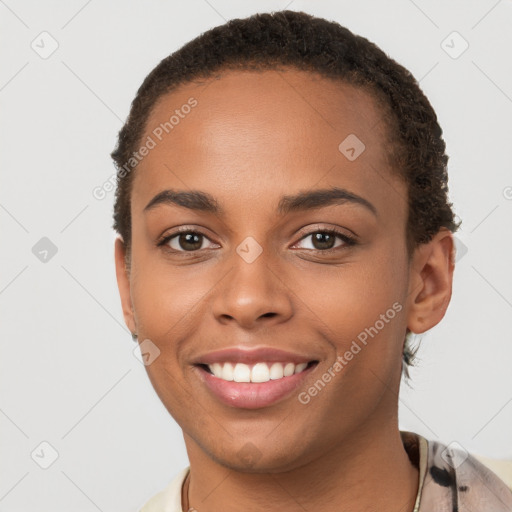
[[190, 241], [323, 240], [185, 241], [326, 240]]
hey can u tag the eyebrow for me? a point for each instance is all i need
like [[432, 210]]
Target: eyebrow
[[308, 200]]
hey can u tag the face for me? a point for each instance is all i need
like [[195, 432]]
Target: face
[[262, 260]]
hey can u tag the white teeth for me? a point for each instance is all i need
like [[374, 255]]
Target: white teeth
[[300, 367], [276, 371], [226, 373], [216, 369], [289, 369], [260, 372], [242, 373]]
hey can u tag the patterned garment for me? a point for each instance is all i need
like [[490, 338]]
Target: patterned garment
[[450, 480]]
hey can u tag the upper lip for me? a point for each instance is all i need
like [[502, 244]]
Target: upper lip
[[250, 356]]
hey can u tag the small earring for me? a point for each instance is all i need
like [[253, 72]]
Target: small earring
[[134, 336]]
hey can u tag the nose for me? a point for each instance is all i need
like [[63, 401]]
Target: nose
[[253, 294]]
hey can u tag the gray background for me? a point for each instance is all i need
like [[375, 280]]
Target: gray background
[[68, 374]]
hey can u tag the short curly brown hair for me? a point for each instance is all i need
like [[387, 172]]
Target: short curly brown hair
[[298, 40]]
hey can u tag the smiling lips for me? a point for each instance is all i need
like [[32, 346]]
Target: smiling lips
[[252, 379]]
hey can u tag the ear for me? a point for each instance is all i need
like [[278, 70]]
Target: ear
[[123, 283], [430, 283]]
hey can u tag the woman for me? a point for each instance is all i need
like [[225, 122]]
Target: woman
[[284, 227]]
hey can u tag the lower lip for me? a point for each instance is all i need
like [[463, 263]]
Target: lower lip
[[249, 395]]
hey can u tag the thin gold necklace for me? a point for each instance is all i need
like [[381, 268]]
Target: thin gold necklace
[[185, 493]]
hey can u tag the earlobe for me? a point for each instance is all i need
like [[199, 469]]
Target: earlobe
[[123, 284], [430, 281]]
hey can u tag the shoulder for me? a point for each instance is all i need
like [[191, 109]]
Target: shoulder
[[458, 479], [169, 499]]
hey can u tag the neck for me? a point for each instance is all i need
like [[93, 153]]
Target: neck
[[370, 470]]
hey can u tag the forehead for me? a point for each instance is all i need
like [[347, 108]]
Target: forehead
[[244, 130], [260, 106]]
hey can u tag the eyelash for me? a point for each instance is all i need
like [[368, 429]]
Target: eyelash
[[348, 240]]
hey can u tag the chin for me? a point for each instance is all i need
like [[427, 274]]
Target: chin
[[250, 459]]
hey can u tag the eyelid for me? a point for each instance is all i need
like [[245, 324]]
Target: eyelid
[[315, 228]]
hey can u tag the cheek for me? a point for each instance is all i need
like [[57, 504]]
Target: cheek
[[353, 296], [165, 298], [172, 304], [360, 306]]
